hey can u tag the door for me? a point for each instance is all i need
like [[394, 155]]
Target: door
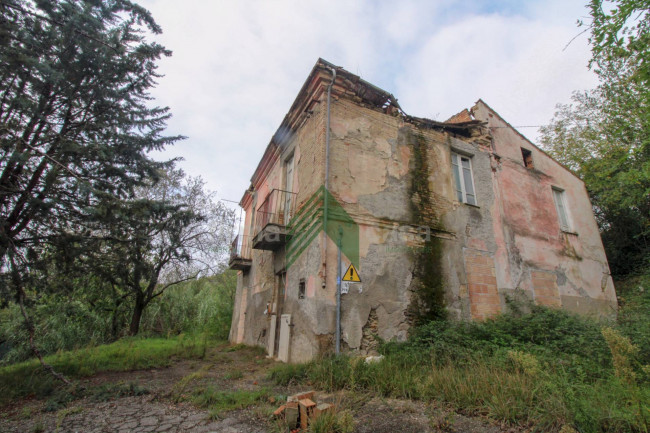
[[285, 337], [279, 303]]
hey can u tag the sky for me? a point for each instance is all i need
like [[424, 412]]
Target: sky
[[238, 65]]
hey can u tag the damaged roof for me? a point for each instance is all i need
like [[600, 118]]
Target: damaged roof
[[350, 85]]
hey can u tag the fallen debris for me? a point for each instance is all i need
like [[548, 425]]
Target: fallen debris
[[303, 408]]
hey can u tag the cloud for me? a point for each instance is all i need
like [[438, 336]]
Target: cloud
[[237, 66]]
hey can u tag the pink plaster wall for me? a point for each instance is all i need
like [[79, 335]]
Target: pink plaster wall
[[526, 223]]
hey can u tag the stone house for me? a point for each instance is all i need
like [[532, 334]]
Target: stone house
[[461, 215]]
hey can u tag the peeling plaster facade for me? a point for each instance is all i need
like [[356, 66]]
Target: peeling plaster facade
[[509, 244]]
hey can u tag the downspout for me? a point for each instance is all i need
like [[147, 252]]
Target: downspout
[[327, 154], [327, 176], [325, 215]]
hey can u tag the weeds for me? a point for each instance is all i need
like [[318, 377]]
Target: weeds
[[62, 414], [218, 401], [179, 389], [234, 375], [341, 422], [547, 369]]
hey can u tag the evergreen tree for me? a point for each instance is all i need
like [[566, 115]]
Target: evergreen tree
[[76, 124], [75, 117]]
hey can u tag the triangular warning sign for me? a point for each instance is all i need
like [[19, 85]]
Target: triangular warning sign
[[351, 275]]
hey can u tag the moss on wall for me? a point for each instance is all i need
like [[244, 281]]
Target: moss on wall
[[428, 302]]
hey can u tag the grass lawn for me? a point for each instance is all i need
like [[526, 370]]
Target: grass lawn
[[29, 378]]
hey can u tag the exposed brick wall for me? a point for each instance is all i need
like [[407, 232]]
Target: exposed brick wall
[[463, 116], [545, 288], [482, 284]]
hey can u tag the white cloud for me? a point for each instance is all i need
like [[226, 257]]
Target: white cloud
[[238, 65]]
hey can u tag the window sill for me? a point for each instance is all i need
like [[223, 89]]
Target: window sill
[[471, 205], [569, 232]]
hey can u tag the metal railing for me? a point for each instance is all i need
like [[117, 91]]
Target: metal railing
[[278, 208], [240, 248]]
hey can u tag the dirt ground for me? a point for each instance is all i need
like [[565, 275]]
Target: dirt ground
[[157, 400]]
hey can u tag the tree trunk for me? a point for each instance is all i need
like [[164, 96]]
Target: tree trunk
[[138, 308]]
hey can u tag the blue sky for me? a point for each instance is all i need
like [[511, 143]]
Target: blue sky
[[238, 65]]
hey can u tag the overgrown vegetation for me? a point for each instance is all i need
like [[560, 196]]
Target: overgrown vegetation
[[544, 369], [604, 134], [78, 320], [219, 401]]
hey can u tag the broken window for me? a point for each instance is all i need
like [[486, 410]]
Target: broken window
[[463, 179], [560, 206], [528, 158], [301, 289]]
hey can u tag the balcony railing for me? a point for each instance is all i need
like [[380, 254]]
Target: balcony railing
[[271, 218], [240, 253]]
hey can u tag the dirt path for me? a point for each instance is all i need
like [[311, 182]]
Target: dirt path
[[161, 403]]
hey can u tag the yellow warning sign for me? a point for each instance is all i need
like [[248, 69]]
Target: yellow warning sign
[[351, 275]]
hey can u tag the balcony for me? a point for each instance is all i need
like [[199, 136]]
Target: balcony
[[271, 219], [240, 254]]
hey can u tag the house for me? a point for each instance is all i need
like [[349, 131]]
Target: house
[[459, 215]]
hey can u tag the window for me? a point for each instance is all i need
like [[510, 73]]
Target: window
[[463, 180], [301, 289], [528, 158], [288, 186], [560, 206]]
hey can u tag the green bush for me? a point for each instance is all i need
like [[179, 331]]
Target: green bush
[[201, 306], [546, 369], [634, 313], [60, 323]]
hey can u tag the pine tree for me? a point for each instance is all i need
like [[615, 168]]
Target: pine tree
[[75, 117], [76, 126]]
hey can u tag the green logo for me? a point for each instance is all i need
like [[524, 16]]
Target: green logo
[[322, 212]]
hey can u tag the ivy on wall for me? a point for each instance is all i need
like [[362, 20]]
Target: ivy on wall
[[428, 302]]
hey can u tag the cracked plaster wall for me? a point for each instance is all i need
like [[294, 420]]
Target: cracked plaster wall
[[513, 228], [529, 239]]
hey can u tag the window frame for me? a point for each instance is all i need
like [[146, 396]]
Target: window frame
[[527, 156], [561, 208], [457, 171], [302, 288]]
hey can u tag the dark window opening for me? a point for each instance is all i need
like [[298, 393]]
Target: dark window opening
[[301, 289], [528, 158]]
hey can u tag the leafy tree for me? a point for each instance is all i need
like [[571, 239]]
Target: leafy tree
[[172, 231], [604, 135]]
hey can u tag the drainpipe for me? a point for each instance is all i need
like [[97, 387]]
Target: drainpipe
[[327, 155], [325, 215]]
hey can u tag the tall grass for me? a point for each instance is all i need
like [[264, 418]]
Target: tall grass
[[546, 370]]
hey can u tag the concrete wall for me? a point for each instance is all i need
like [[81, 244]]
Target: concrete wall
[[371, 169], [259, 287]]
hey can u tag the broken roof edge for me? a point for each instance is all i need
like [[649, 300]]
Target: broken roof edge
[[480, 100], [366, 91]]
